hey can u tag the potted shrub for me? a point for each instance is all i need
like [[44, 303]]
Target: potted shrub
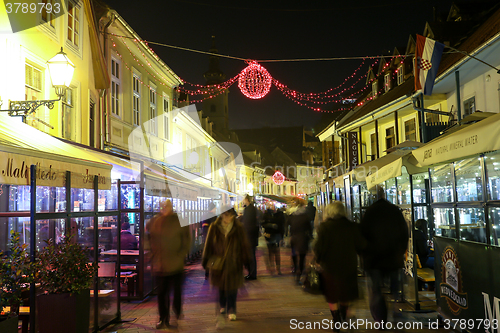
[[16, 273], [66, 278]]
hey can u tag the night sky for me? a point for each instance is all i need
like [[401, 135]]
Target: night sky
[[276, 30]]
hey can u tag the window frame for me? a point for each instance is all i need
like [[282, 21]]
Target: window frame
[[469, 104], [391, 137], [387, 81], [76, 20], [136, 98], [166, 117], [114, 95], [153, 109], [374, 89], [400, 75], [412, 132]]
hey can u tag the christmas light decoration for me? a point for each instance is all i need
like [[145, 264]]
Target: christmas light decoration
[[254, 81], [278, 178]]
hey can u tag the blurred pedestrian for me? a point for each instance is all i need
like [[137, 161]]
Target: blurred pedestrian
[[226, 253], [300, 236], [311, 212], [127, 239], [169, 244], [251, 225], [273, 225], [386, 231], [336, 248], [208, 217]]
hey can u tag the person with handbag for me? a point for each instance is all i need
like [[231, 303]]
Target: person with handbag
[[226, 253], [338, 243]]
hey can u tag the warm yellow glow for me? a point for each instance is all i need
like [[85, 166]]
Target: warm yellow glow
[[250, 186], [61, 70]]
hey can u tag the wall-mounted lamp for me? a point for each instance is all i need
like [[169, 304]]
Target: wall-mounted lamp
[[61, 71]]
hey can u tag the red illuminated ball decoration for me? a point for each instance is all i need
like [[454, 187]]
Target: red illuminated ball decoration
[[254, 81], [278, 178]]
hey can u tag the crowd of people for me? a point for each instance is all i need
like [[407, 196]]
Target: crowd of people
[[380, 242]]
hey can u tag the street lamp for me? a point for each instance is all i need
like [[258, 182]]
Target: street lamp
[[61, 71]]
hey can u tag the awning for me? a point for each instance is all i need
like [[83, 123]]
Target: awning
[[22, 145], [385, 168], [474, 139]]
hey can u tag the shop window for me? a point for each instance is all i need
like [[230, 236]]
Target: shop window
[[419, 188], [73, 24], [136, 104], [441, 184], [391, 191], [401, 74], [115, 86], [410, 130], [468, 179], [82, 200], [404, 191], [153, 112], [390, 137], [469, 106], [472, 224], [494, 218], [492, 162], [444, 222], [387, 82]]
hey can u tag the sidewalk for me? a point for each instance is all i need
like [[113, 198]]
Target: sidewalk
[[268, 304]]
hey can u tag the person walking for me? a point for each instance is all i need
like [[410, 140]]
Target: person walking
[[300, 236], [251, 226], [226, 253], [208, 217], [311, 212], [338, 243], [386, 231], [169, 244], [273, 225]]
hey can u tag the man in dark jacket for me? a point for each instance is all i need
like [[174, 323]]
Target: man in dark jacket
[[128, 241], [386, 231], [252, 229]]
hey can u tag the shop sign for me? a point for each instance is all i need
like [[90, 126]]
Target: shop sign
[[353, 149], [15, 170], [451, 284]]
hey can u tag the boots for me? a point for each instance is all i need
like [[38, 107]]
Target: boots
[[278, 269], [337, 322], [343, 312]]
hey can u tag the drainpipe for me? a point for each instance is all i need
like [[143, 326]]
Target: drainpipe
[[459, 104]]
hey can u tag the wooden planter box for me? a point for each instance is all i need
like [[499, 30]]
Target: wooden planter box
[[63, 312], [9, 325]]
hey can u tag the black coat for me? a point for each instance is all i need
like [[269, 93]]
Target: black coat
[[339, 241], [251, 225], [421, 248], [300, 231], [386, 231]]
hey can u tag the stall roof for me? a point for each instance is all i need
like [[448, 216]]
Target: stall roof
[[22, 145], [474, 139]]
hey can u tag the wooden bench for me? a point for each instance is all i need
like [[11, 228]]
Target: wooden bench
[[425, 275]]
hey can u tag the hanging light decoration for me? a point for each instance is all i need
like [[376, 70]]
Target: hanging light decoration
[[254, 81], [278, 178]]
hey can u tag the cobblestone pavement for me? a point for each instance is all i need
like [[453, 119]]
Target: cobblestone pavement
[[268, 304]]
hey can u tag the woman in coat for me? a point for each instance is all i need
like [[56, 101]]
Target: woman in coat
[[300, 235], [226, 253], [339, 241]]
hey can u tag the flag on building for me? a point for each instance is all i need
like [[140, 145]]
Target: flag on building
[[427, 58]]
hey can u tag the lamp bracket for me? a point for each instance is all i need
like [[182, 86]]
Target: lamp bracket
[[24, 108]]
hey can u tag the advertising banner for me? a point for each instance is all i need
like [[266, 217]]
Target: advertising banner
[[466, 284], [353, 149]]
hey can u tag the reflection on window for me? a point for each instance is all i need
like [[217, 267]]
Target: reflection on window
[[444, 222], [494, 217], [404, 191], [468, 177], [391, 191], [50, 199], [82, 200], [419, 190], [492, 162], [442, 184], [472, 225]]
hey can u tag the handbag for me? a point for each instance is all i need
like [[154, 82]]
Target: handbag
[[312, 281]]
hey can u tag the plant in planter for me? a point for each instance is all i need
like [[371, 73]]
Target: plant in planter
[[66, 278], [16, 273]]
